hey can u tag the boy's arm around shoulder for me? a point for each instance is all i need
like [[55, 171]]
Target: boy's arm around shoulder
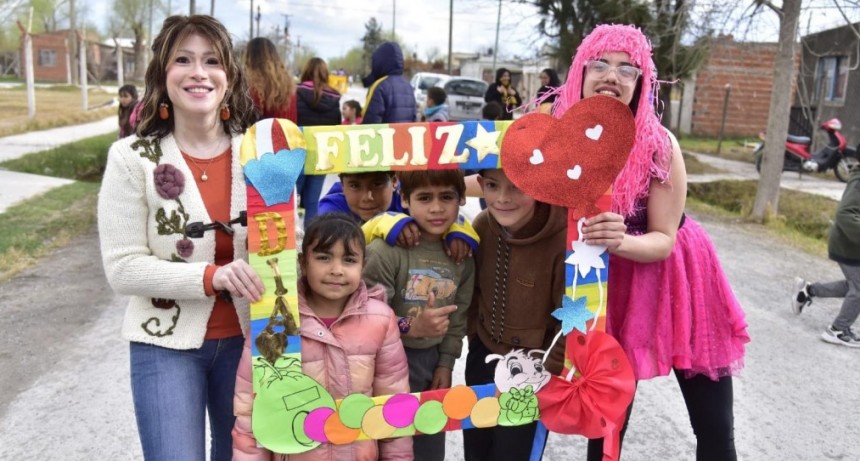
[[452, 344], [391, 376], [386, 226], [244, 443], [462, 229]]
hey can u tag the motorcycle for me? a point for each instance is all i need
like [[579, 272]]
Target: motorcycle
[[836, 155]]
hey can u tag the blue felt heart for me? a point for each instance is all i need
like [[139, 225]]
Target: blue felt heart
[[274, 175]]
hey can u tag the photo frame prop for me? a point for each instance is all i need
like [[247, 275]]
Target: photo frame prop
[[292, 413]]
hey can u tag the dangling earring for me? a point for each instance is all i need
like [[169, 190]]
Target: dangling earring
[[225, 112], [163, 113]]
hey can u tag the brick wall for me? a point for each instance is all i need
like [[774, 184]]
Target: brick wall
[[748, 67], [49, 44]]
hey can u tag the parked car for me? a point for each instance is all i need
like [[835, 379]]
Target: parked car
[[465, 97], [420, 82]]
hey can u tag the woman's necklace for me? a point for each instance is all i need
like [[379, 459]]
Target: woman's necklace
[[203, 176]]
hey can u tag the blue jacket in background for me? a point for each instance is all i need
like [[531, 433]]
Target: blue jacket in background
[[334, 201], [393, 100]]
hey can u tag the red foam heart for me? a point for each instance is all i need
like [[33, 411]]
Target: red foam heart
[[566, 149]]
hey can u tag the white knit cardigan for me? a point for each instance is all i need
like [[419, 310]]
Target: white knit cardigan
[[142, 263]]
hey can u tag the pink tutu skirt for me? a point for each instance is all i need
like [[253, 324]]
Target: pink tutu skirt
[[677, 313]]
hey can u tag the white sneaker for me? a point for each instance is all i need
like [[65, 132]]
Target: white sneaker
[[800, 296], [842, 337]]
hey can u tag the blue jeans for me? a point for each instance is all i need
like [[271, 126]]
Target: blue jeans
[[172, 390]]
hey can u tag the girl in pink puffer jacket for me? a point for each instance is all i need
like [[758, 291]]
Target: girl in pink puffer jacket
[[344, 326]]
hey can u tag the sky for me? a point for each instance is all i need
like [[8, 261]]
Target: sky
[[332, 27]]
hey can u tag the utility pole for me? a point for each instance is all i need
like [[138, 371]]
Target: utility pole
[[212, 8], [258, 21], [450, 32], [192, 7], [496, 47], [251, 33], [393, 18], [73, 41], [287, 45]]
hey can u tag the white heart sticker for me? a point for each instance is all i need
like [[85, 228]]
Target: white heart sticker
[[575, 172], [536, 158], [594, 133]]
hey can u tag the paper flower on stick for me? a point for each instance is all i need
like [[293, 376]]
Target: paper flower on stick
[[586, 257]]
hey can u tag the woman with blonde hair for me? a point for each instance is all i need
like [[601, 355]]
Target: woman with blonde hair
[[272, 87], [317, 104]]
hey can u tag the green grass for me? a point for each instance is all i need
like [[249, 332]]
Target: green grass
[[731, 148], [802, 220], [35, 227], [82, 160]]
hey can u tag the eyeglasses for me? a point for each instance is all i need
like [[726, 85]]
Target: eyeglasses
[[625, 73]]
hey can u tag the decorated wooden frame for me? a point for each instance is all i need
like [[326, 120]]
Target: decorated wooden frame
[[568, 162]]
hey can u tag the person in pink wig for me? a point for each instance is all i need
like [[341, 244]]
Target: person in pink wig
[[670, 305]]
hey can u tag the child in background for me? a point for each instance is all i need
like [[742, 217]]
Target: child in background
[[428, 292], [513, 299], [350, 341], [351, 111], [492, 111], [127, 103], [436, 110]]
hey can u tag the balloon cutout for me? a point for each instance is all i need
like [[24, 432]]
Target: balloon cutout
[[573, 160]]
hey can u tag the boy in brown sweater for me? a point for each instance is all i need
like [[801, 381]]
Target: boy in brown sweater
[[520, 281]]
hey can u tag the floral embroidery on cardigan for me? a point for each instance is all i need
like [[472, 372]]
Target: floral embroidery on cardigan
[[169, 184]]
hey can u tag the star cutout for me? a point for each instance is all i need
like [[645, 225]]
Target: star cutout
[[586, 257], [573, 314], [484, 142]]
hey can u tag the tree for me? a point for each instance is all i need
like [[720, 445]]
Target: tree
[[767, 194], [133, 16], [371, 40], [568, 22], [352, 62]]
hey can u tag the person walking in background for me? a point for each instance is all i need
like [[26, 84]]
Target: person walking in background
[[436, 110], [390, 98], [351, 111], [504, 93], [127, 104], [318, 104], [183, 166], [272, 88], [545, 96], [843, 246], [669, 305], [350, 342]]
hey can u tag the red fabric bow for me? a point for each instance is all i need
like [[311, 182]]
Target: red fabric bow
[[594, 403]]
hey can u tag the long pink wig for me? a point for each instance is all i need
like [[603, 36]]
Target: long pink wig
[[652, 152]]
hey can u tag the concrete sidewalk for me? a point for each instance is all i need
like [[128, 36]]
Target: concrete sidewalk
[[15, 187]]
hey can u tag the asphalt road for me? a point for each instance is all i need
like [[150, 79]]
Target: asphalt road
[[65, 385]]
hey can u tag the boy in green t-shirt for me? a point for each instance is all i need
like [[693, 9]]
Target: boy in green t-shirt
[[428, 292]]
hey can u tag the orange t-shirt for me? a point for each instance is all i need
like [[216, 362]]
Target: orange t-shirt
[[215, 191]]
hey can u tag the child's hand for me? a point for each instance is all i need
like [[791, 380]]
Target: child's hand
[[432, 322], [441, 378], [607, 229], [409, 236], [458, 250]]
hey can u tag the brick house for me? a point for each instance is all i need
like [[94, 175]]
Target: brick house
[[748, 68], [829, 82], [51, 56]]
